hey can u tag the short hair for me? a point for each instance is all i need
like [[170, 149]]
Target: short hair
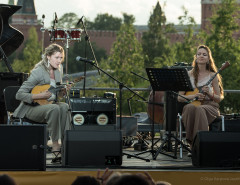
[[83, 180], [7, 180], [132, 179]]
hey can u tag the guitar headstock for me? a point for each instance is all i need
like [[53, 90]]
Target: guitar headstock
[[225, 65], [79, 79]]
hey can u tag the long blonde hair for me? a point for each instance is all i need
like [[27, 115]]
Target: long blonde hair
[[49, 51], [209, 66]]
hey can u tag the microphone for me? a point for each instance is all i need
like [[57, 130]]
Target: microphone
[[56, 18], [80, 20], [78, 58]]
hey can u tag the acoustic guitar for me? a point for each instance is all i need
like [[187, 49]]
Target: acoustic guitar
[[54, 90], [199, 89]]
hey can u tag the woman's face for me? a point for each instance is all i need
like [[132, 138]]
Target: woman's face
[[55, 59], [202, 56]]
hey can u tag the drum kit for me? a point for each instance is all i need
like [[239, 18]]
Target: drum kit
[[62, 34]]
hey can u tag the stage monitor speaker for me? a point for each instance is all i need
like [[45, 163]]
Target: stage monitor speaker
[[23, 147], [93, 111], [216, 149], [92, 148]]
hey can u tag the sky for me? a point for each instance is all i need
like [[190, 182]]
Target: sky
[[141, 9]]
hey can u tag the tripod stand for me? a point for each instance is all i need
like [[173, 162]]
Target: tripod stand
[[168, 79]]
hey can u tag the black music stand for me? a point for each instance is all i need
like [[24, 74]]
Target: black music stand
[[168, 79]]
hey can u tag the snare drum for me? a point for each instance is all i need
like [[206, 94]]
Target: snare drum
[[58, 34], [74, 33]]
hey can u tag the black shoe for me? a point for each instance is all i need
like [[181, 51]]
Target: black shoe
[[189, 154], [57, 158]]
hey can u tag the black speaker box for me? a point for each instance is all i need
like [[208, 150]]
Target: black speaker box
[[23, 147], [92, 148], [216, 149], [232, 125]]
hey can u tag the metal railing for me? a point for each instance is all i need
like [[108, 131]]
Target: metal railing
[[137, 89]]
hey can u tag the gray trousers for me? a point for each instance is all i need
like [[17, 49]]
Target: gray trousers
[[57, 116]]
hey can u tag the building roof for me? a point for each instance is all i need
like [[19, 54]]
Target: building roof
[[28, 7]]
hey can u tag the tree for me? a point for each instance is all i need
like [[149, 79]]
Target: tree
[[155, 42], [224, 25], [31, 53], [185, 50], [83, 49], [126, 56], [105, 22]]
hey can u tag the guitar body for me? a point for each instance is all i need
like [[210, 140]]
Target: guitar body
[[39, 89], [196, 102]]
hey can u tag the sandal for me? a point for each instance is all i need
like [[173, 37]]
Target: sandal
[[57, 158]]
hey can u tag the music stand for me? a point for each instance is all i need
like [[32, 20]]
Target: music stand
[[168, 79]]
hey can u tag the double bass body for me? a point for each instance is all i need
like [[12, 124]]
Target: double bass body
[[156, 107]]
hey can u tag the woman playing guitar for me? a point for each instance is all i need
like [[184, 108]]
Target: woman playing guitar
[[208, 91], [56, 115]]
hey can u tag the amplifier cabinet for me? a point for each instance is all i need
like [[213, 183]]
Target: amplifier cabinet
[[93, 110], [23, 147], [92, 148]]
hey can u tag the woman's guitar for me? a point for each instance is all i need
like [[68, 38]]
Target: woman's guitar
[[54, 90], [199, 89]]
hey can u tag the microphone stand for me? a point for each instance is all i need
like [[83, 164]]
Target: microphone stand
[[87, 39]]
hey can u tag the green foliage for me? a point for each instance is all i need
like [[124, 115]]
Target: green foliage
[[83, 49], [68, 20], [126, 56], [105, 22], [155, 43], [226, 48], [31, 53], [185, 50]]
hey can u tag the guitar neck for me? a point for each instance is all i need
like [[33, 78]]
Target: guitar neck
[[209, 81]]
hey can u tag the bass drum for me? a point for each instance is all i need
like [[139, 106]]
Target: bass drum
[[157, 106]]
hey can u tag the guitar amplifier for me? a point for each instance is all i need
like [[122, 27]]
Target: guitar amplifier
[[90, 111]]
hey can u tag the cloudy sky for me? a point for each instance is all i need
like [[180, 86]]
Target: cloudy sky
[[141, 9]]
